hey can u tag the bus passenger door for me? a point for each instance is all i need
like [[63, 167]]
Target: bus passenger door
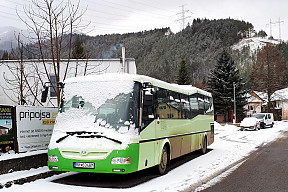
[[147, 134]]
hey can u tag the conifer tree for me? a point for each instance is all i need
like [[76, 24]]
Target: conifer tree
[[78, 51], [220, 84], [5, 55], [183, 77]]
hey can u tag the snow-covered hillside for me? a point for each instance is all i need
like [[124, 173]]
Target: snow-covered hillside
[[255, 43]]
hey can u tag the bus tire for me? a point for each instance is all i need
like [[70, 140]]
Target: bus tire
[[162, 167], [204, 145]]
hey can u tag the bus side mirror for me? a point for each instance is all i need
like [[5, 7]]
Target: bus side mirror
[[44, 94]]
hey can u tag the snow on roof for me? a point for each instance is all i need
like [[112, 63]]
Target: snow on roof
[[254, 43], [262, 95], [281, 94], [252, 99], [110, 77]]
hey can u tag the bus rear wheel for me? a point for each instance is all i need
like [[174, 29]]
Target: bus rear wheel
[[162, 167], [204, 145]]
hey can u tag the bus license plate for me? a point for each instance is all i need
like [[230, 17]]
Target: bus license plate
[[83, 165]]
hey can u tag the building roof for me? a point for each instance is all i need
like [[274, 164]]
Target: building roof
[[280, 95]]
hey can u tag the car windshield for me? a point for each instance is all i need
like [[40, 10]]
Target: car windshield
[[113, 111], [258, 116]]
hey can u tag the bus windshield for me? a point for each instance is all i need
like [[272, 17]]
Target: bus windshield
[[117, 110]]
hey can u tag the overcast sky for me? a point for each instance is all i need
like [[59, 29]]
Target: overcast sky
[[121, 16]]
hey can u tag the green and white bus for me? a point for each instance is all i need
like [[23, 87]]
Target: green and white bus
[[123, 123]]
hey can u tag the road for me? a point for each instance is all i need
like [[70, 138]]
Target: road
[[266, 170]]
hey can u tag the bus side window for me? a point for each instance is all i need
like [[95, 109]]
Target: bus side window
[[194, 106], [163, 108], [175, 107], [201, 104], [185, 107], [208, 105]]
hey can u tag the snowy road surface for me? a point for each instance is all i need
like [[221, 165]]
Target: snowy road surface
[[230, 148]]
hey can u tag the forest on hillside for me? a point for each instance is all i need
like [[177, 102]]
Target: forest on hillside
[[159, 52]]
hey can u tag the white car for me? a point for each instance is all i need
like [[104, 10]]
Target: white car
[[257, 121]]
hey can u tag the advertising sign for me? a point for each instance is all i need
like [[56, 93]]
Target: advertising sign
[[6, 129], [34, 127]]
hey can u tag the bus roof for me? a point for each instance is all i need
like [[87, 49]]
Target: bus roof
[[185, 89]]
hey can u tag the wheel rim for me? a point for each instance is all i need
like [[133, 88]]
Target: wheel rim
[[164, 159]]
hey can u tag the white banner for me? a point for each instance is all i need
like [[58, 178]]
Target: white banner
[[34, 127]]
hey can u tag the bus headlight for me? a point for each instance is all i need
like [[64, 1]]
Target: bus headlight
[[121, 160], [52, 158]]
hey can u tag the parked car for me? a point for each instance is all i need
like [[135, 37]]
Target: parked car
[[257, 121]]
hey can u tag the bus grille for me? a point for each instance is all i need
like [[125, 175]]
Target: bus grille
[[85, 155]]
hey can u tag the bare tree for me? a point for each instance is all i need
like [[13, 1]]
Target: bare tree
[[17, 85], [269, 72], [51, 26]]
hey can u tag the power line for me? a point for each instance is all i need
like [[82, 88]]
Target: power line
[[183, 17], [95, 15]]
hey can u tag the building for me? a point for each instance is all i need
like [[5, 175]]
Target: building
[[36, 74], [256, 100], [280, 99]]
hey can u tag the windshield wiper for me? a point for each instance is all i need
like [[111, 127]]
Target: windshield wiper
[[73, 133], [100, 136], [62, 138], [79, 134]]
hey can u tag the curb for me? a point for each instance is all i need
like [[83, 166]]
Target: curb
[[23, 163], [31, 178]]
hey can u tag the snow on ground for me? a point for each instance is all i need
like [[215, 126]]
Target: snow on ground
[[230, 146], [22, 174], [13, 155]]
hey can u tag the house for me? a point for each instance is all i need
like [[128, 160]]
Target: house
[[280, 99], [256, 100], [168, 111]]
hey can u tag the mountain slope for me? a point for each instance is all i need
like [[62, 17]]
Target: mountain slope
[[8, 37]]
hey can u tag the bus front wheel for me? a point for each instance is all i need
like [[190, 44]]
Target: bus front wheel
[[162, 167]]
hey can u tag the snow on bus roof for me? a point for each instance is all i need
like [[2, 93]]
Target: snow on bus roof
[[185, 89]]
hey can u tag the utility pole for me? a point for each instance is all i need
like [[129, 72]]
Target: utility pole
[[279, 22], [270, 24], [235, 114], [183, 17], [276, 22], [123, 59]]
